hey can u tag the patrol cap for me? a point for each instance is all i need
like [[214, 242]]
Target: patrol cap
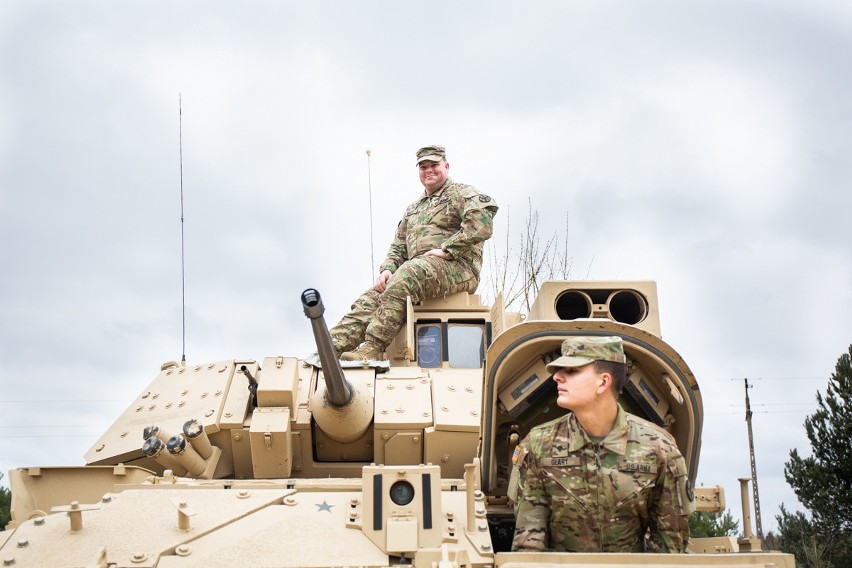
[[579, 351], [431, 153]]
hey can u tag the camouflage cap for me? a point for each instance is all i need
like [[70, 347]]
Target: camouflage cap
[[431, 153], [579, 351]]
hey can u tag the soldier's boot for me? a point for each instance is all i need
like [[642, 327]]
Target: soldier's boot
[[368, 351]]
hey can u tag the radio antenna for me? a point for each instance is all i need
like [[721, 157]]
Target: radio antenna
[[370, 193], [182, 263]]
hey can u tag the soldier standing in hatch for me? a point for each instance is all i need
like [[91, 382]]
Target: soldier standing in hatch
[[598, 479], [437, 250]]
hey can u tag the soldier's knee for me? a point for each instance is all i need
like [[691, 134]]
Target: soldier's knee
[[368, 298]]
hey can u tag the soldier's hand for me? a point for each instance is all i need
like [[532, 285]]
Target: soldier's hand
[[382, 281]]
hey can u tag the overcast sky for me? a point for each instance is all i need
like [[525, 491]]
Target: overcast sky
[[704, 145]]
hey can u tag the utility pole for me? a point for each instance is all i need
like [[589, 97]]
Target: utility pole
[[755, 492]]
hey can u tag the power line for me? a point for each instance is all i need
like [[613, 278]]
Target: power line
[[758, 412], [766, 379], [50, 436], [786, 379], [762, 404], [30, 426], [62, 400]]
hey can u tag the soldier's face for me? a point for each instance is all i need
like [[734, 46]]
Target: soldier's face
[[577, 387], [433, 174]]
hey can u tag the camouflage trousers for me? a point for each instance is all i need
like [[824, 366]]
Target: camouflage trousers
[[378, 316]]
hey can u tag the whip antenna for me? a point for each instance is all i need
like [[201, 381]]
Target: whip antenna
[[370, 192], [182, 264]]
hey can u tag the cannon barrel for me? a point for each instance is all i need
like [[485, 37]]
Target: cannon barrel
[[338, 390]]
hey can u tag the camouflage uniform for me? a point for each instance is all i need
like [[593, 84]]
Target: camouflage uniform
[[456, 218], [580, 496]]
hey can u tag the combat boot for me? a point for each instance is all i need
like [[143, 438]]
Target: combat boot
[[368, 351]]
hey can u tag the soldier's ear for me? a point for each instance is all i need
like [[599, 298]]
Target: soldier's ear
[[605, 382]]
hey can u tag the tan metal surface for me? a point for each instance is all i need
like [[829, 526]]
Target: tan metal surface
[[575, 560], [298, 482], [602, 299], [38, 489], [271, 443], [448, 449], [307, 529], [457, 399], [176, 395], [135, 527], [710, 498], [346, 423], [279, 383], [403, 410]]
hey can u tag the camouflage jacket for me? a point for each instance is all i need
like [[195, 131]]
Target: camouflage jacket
[[578, 496], [456, 218]]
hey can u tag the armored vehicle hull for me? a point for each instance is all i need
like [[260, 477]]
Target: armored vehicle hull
[[310, 463]]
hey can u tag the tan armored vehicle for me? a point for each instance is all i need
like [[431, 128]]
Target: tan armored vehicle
[[314, 463]]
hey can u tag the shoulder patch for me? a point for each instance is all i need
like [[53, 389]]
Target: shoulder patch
[[484, 198]]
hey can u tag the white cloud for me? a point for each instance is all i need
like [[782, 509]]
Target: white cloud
[[697, 145]]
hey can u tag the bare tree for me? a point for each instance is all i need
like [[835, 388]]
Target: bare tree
[[518, 275]]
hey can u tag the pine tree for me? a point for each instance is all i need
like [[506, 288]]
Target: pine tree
[[704, 524], [822, 480], [813, 544], [5, 505]]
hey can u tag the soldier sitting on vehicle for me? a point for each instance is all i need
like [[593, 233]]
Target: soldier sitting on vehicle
[[598, 479], [437, 250]]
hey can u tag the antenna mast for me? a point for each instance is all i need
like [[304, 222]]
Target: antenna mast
[[370, 193], [755, 492], [182, 263]]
